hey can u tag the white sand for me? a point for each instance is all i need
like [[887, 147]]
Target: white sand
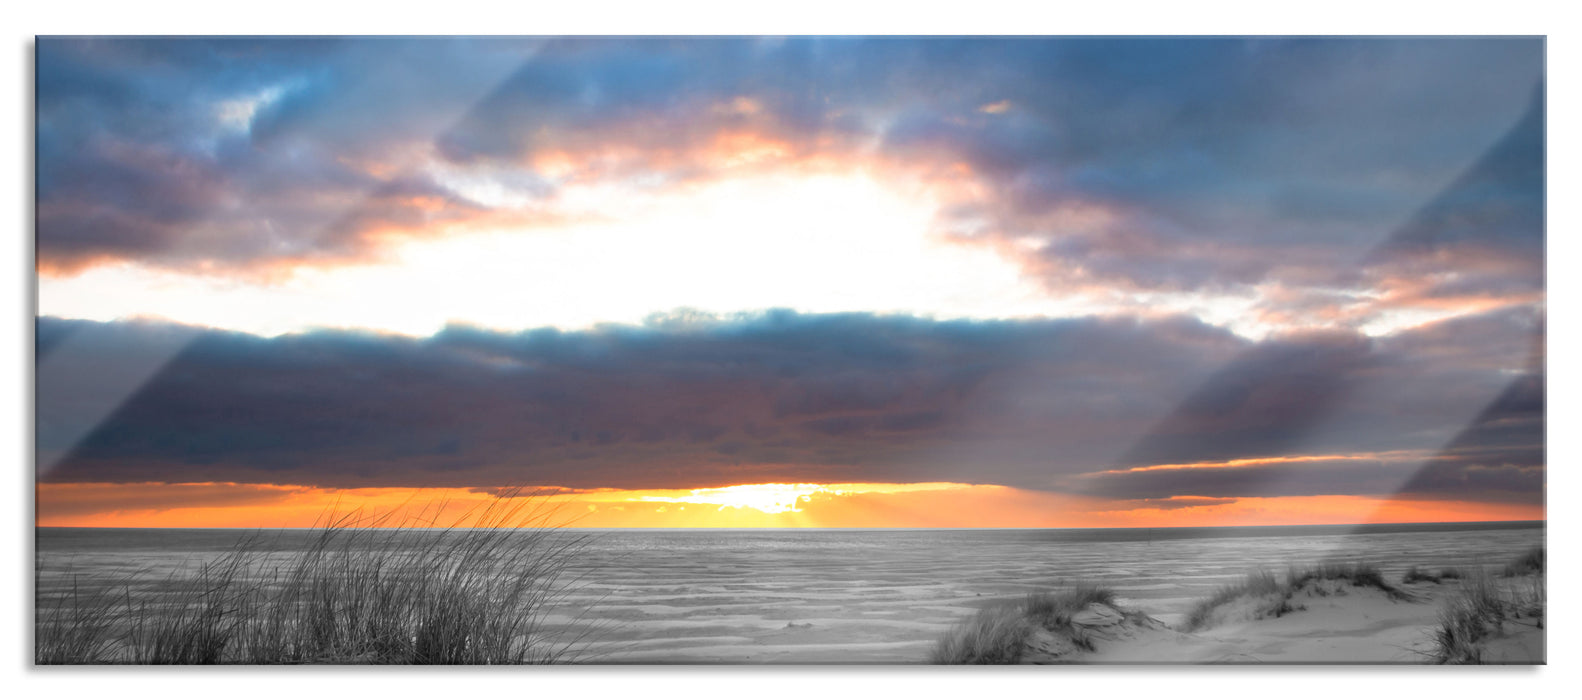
[[1334, 624], [1352, 625]]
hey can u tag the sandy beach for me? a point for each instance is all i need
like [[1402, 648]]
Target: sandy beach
[[888, 599], [890, 596]]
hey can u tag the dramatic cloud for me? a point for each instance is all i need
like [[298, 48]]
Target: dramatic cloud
[[789, 398], [1184, 174], [217, 153]]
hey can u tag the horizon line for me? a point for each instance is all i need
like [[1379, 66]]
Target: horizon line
[[1544, 521]]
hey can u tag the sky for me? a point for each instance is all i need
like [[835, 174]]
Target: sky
[[748, 282]]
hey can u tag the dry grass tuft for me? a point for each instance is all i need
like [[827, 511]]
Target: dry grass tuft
[[1360, 575], [1258, 584], [993, 636], [359, 593], [1416, 575], [1530, 562], [82, 625], [1272, 598], [998, 634], [1483, 605]]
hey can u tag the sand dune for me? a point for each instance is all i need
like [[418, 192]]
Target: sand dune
[[1331, 624], [1354, 625]]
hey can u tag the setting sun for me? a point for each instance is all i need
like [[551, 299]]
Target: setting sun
[[765, 498]]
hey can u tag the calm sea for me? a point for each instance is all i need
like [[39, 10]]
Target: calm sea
[[841, 596]]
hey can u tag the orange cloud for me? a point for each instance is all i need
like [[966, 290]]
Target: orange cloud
[[1324, 510], [1390, 456], [1000, 107]]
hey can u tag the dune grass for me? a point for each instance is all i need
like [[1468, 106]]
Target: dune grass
[[81, 626], [1360, 575], [1480, 610], [1482, 606], [994, 635], [1271, 597], [1531, 561], [998, 634], [1416, 575], [1258, 584], [359, 593], [1053, 611]]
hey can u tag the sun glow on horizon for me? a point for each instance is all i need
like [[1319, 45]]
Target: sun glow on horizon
[[764, 498], [915, 505], [786, 498]]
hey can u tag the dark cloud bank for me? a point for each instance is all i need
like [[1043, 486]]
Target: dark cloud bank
[[825, 398]]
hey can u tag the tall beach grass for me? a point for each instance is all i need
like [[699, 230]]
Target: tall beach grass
[[363, 591], [1484, 607], [1256, 585], [1530, 562], [999, 634]]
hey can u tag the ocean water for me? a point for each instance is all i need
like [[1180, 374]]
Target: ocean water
[[846, 596]]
